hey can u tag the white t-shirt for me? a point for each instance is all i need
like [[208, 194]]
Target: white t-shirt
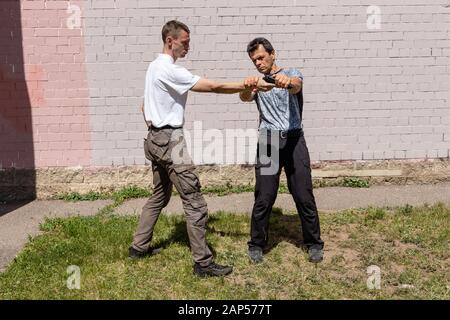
[[166, 90]]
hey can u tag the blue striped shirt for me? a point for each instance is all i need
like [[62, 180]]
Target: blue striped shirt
[[279, 109]]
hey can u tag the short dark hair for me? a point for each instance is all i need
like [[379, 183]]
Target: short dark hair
[[254, 44], [172, 28]]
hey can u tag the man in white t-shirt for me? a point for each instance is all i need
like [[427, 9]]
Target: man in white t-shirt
[[166, 89]]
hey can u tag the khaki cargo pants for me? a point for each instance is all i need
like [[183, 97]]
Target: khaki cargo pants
[[172, 166]]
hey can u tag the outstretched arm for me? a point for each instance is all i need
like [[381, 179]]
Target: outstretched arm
[[206, 85]]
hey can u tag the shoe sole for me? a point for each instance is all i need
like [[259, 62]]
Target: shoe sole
[[316, 261], [256, 261], [154, 252], [206, 275]]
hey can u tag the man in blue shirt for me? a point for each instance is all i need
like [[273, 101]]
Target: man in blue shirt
[[281, 140]]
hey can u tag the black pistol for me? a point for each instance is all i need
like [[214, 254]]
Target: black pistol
[[269, 79]]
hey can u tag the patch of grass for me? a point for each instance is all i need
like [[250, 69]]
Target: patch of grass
[[283, 188], [428, 227], [76, 196], [130, 192], [374, 214], [125, 193], [353, 182], [411, 247], [354, 240], [228, 188], [345, 217], [407, 209]]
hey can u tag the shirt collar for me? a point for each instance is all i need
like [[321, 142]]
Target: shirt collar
[[166, 57]]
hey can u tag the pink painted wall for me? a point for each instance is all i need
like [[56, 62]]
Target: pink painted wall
[[45, 93]]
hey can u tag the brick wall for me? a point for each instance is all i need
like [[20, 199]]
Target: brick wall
[[372, 91]]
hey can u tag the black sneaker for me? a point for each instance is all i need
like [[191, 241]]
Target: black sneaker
[[212, 270], [255, 254], [136, 254], [315, 255]]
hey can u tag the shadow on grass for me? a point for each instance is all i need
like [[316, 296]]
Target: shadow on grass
[[284, 228], [231, 234], [180, 234]]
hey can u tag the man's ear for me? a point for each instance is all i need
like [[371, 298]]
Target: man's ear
[[169, 41], [273, 54]]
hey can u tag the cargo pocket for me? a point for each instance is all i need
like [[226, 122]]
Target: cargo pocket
[[161, 137], [188, 179], [197, 201]]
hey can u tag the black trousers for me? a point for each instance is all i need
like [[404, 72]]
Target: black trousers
[[292, 155]]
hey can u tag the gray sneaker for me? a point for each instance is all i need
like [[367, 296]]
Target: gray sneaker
[[315, 255], [255, 254]]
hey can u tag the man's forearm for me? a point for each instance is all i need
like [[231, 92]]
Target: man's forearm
[[228, 87], [296, 84], [206, 85]]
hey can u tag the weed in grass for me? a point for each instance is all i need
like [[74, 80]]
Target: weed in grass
[[407, 209], [76, 196], [130, 192], [345, 217], [374, 214], [226, 189], [283, 188], [119, 196], [353, 182]]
